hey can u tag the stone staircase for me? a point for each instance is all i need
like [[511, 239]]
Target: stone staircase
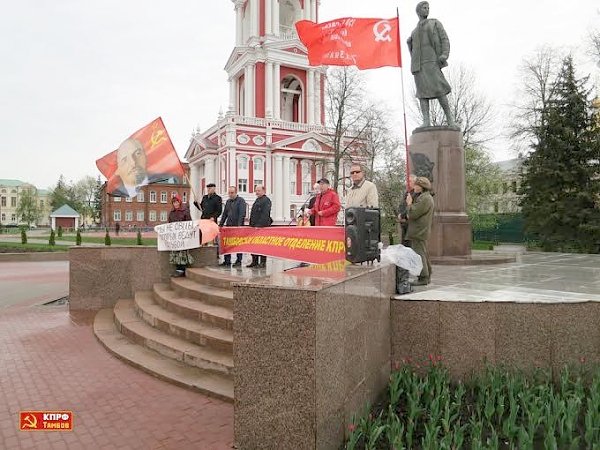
[[181, 332]]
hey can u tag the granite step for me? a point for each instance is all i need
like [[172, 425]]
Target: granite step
[[192, 330], [221, 316], [162, 367], [212, 277], [186, 287], [134, 327]]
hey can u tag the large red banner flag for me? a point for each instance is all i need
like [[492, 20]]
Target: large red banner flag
[[364, 43], [145, 157]]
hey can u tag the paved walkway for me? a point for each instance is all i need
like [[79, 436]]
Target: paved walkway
[[51, 360]]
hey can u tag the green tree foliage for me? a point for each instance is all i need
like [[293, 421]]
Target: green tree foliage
[[483, 178], [28, 209], [107, 240], [52, 240], [78, 238], [561, 180], [60, 231], [139, 238], [23, 236]]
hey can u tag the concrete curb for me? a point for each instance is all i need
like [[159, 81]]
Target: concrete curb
[[34, 256]]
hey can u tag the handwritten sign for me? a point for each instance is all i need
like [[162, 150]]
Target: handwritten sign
[[178, 235]]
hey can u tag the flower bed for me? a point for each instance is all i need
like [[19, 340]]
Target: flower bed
[[499, 409]]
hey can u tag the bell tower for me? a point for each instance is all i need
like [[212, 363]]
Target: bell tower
[[273, 131], [268, 70]]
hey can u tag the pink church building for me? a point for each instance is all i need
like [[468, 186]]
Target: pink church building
[[273, 132]]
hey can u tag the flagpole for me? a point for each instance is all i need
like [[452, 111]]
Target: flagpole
[[403, 103]]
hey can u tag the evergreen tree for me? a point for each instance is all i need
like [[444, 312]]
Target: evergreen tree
[[60, 231], [107, 240], [23, 236], [561, 180], [78, 237], [52, 240], [139, 237]]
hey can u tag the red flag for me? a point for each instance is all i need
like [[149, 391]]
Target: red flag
[[147, 156], [364, 43]]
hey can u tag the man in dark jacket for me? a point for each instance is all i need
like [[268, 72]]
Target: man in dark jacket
[[211, 204], [233, 216], [260, 216]]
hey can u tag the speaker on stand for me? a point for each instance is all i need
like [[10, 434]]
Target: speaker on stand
[[363, 234]]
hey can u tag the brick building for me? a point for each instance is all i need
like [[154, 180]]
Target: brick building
[[151, 206]]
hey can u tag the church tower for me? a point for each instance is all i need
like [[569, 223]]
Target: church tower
[[273, 132]]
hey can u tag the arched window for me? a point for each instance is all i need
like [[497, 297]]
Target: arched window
[[242, 163], [292, 109], [258, 164]]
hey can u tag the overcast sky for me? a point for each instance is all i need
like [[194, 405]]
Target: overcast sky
[[78, 77]]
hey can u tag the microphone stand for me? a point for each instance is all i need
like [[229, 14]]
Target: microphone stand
[[304, 205]]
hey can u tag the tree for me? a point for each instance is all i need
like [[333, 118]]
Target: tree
[[52, 239], [390, 177], [78, 237], [107, 240], [594, 46], [28, 209], [561, 187], [538, 89], [64, 193], [86, 191], [482, 178], [349, 116], [138, 239], [23, 236]]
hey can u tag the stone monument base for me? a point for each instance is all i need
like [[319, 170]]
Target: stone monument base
[[438, 154]]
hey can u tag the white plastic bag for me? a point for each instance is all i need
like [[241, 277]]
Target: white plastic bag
[[403, 257]]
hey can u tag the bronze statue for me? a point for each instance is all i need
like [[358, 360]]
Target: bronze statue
[[429, 49]]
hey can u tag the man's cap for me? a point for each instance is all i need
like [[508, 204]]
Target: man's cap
[[323, 180], [211, 185]]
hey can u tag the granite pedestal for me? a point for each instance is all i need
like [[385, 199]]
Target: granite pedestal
[[309, 353], [438, 154]]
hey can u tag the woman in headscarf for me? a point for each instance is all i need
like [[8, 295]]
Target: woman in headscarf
[[180, 258]]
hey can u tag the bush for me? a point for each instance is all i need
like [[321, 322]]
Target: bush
[[60, 231], [107, 238], [78, 238], [139, 238], [52, 240], [23, 236]]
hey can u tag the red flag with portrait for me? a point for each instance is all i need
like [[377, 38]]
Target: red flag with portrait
[[145, 157], [364, 43]]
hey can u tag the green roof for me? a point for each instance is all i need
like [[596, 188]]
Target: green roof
[[65, 211], [11, 183], [43, 192]]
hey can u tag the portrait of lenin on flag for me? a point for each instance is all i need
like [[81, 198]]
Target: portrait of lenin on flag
[[146, 157]]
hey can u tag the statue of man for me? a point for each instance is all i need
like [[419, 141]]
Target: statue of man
[[429, 49]]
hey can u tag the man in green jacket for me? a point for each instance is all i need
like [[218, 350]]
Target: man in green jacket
[[420, 218]]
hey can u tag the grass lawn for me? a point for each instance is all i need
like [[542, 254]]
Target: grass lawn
[[498, 409], [482, 245], [14, 247], [114, 240]]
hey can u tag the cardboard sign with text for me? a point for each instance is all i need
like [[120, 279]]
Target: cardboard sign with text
[[178, 235]]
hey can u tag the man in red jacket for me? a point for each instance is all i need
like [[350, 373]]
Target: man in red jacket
[[327, 205]]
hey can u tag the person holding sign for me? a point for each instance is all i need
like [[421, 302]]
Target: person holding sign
[[180, 258], [233, 216]]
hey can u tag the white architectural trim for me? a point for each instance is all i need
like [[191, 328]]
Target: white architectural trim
[[269, 90], [310, 96], [276, 86]]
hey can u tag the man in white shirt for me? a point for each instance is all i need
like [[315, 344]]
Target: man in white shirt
[[363, 193]]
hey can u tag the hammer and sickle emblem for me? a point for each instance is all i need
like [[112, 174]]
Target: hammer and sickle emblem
[[29, 422], [158, 136], [381, 30]]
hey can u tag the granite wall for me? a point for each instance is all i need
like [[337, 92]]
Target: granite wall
[[308, 356], [523, 335], [100, 276]]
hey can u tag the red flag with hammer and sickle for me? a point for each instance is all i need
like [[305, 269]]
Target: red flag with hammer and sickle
[[364, 43], [145, 157]]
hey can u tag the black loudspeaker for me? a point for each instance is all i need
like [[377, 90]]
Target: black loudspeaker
[[363, 234]]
